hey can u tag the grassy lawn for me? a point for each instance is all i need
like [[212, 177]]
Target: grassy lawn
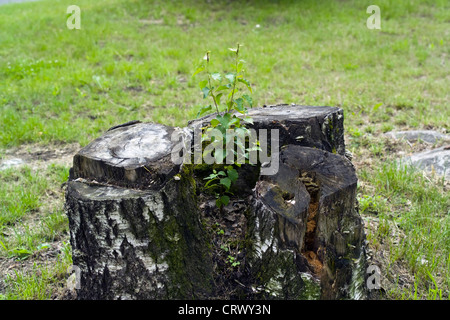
[[134, 60]]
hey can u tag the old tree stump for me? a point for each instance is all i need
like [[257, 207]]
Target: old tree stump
[[143, 227]]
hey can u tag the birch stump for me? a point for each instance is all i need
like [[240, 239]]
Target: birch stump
[[140, 229]]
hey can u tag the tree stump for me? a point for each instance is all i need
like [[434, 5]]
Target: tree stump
[[142, 227], [306, 223], [135, 229], [315, 127]]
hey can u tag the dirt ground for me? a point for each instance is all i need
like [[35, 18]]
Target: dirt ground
[[38, 156]]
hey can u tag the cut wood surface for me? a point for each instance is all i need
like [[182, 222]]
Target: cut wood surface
[[138, 231], [136, 155], [309, 126]]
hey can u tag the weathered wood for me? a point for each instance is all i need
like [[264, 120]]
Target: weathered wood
[[139, 244], [309, 126], [137, 230], [306, 222], [136, 155]]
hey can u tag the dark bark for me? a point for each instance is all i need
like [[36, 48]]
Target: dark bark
[[136, 244], [308, 126], [137, 231], [305, 216]]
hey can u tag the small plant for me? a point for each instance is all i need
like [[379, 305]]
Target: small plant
[[371, 204], [233, 261], [223, 180], [230, 126], [214, 88], [21, 253]]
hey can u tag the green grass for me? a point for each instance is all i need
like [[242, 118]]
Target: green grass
[[36, 284], [22, 228], [69, 85], [20, 193], [421, 210], [134, 60], [28, 227]]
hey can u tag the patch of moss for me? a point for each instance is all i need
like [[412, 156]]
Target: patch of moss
[[181, 241]]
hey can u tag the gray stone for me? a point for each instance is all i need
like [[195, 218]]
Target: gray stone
[[429, 136], [9, 163], [437, 160]]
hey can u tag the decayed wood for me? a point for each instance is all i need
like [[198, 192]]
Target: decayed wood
[[306, 217], [137, 232]]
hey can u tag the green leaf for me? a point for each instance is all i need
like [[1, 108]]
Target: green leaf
[[240, 105], [232, 174], [247, 83], [3, 245], [375, 107], [213, 185], [248, 120], [226, 182], [219, 155], [230, 76], [216, 76], [249, 99], [240, 146], [215, 122], [206, 92], [203, 83], [43, 246], [211, 176], [206, 153], [240, 67], [242, 131], [224, 120], [224, 200], [254, 148], [217, 98], [203, 110], [224, 87], [22, 254], [235, 121], [199, 69]]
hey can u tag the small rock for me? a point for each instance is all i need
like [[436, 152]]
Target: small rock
[[6, 164], [428, 136], [437, 160]]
